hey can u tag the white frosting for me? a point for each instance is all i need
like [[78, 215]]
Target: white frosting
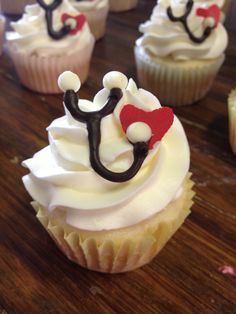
[[89, 5], [31, 36], [61, 175], [163, 38]]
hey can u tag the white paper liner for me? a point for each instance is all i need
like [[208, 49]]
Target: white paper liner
[[232, 119], [122, 5], [40, 74], [176, 83], [120, 250]]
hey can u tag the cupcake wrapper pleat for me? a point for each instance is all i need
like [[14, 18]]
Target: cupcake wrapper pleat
[[232, 119], [122, 5], [40, 74], [120, 250], [176, 83]]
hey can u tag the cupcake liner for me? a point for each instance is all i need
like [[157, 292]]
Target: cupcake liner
[[14, 6], [2, 29], [225, 9], [122, 5], [232, 119], [97, 21], [176, 83], [40, 74], [119, 250]]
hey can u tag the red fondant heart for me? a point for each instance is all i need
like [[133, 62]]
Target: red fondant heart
[[159, 120], [80, 20], [213, 11]]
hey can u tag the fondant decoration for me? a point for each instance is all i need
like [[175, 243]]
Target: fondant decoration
[[159, 121], [71, 24], [115, 82], [76, 23], [212, 12]]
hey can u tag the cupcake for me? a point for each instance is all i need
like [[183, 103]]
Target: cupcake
[[181, 51], [2, 30], [48, 40], [122, 5], [113, 185], [232, 119], [14, 6], [96, 13], [226, 8]]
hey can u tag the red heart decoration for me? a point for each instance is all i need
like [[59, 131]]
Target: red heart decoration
[[80, 20], [159, 120], [213, 11]]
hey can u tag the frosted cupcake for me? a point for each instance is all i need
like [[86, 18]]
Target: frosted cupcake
[[181, 51], [14, 6], [113, 185], [2, 30], [48, 40], [122, 5], [96, 13], [232, 119]]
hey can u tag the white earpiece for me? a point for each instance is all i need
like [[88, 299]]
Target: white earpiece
[[115, 79], [69, 81], [139, 132]]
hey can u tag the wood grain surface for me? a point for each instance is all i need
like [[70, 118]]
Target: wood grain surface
[[187, 276]]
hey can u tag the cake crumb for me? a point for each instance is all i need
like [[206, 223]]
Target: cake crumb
[[95, 290], [227, 270], [15, 160]]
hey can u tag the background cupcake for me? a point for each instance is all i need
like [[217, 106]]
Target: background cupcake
[[42, 49], [232, 119], [226, 8], [122, 5], [14, 6], [101, 212], [179, 60], [2, 30], [96, 13]]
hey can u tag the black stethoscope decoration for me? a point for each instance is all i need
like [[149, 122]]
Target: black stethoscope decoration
[[71, 24], [128, 116], [212, 14]]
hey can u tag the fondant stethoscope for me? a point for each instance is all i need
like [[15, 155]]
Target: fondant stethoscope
[[183, 19], [70, 84], [49, 8]]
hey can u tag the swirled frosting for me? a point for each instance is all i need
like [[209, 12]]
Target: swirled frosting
[[31, 36], [61, 176], [88, 5], [164, 38]]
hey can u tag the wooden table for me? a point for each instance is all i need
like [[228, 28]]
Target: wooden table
[[187, 276]]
